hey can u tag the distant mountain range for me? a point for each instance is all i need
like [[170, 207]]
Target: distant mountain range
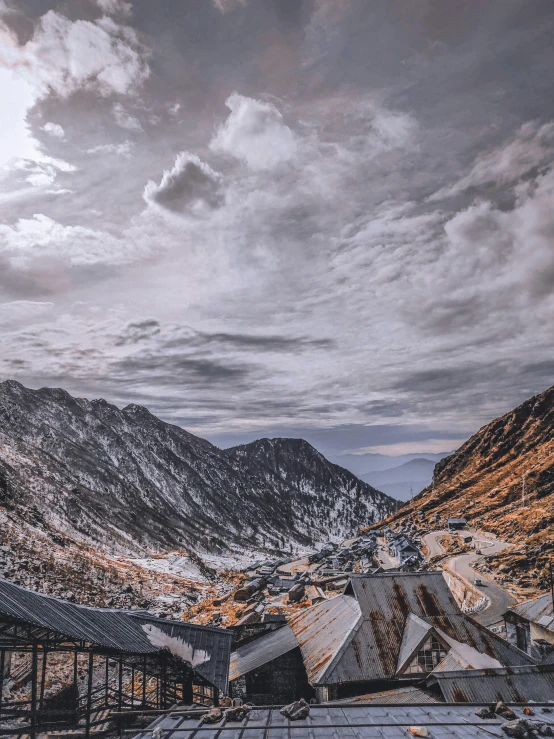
[[125, 480], [363, 464], [404, 481]]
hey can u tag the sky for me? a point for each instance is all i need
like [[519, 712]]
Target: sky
[[321, 218]]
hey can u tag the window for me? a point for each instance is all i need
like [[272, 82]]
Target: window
[[428, 657], [203, 695]]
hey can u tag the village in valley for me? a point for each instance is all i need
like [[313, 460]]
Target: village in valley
[[385, 629]]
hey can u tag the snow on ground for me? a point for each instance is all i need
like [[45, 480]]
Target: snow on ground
[[171, 563]]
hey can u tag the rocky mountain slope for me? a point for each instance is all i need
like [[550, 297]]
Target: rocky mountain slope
[[484, 479], [337, 499], [125, 480]]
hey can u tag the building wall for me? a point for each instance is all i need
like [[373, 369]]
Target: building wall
[[278, 682]]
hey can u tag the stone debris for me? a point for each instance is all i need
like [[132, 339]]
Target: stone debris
[[524, 729], [213, 716], [417, 731], [296, 711], [502, 710], [485, 713]]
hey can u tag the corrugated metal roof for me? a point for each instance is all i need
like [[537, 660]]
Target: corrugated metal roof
[[415, 632], [510, 684], [385, 601], [119, 630], [398, 697], [332, 721], [322, 631], [261, 651], [535, 609]]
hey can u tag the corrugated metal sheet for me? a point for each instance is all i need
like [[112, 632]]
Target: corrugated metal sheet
[[121, 631], [385, 601], [510, 684], [261, 651], [451, 663], [216, 643], [322, 631], [415, 632], [535, 609], [352, 722], [397, 697]]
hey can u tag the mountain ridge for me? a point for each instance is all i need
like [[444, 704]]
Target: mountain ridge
[[125, 479]]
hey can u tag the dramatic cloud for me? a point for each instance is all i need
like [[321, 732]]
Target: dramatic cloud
[[255, 132], [357, 249], [190, 186], [64, 56], [532, 148]]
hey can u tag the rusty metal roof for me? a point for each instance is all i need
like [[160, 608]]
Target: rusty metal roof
[[261, 651], [397, 697], [322, 632], [537, 610], [386, 600], [510, 684], [120, 631]]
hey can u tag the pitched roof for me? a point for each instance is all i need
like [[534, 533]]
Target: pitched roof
[[386, 600], [122, 631], [415, 633], [322, 631], [538, 610], [261, 651], [510, 684]]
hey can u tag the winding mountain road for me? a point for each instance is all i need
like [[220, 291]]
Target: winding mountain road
[[499, 599]]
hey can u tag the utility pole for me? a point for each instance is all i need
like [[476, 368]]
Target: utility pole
[[551, 586], [523, 491]]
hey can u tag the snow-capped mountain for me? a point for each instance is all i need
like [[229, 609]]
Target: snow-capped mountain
[[128, 481]]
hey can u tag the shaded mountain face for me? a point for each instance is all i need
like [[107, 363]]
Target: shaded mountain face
[[483, 480], [126, 480], [403, 481], [334, 499]]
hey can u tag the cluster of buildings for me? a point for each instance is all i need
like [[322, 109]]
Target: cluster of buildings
[[396, 639], [404, 547]]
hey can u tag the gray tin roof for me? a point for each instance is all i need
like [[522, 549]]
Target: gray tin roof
[[538, 610], [261, 651], [346, 721], [121, 631], [510, 684]]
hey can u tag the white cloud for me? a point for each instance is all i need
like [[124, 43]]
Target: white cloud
[[190, 186], [115, 7], [255, 132], [532, 147], [124, 119], [41, 240], [54, 129], [123, 149], [64, 56]]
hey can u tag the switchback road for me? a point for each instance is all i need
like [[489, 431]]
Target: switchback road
[[500, 600]]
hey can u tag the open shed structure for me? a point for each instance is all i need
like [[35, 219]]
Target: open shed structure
[[115, 659]]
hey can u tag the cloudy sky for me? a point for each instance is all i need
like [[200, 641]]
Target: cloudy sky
[[329, 218]]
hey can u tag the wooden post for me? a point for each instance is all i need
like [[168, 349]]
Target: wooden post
[[34, 680], [75, 664], [89, 694], [133, 686], [163, 688]]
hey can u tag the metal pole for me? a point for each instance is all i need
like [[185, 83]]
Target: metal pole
[[43, 678], [2, 668], [144, 681], [107, 678], [89, 694], [132, 686], [75, 664], [34, 681], [551, 585], [120, 681]]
